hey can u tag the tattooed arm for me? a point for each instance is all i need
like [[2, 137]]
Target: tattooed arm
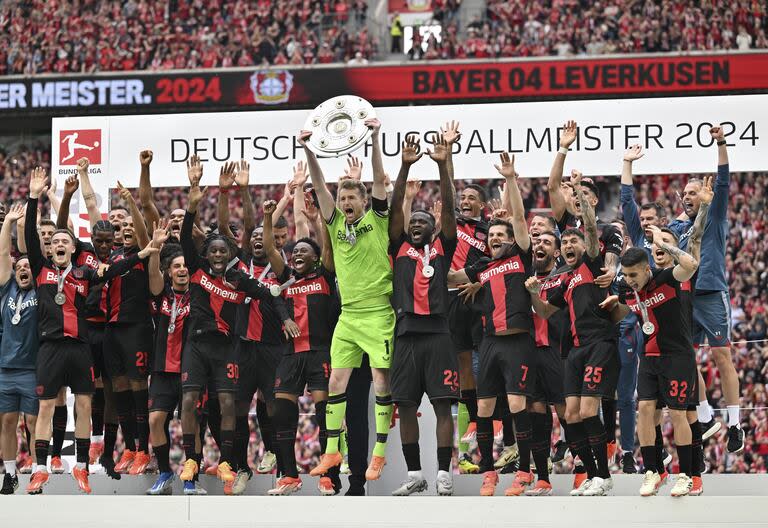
[[590, 220], [685, 264], [705, 196]]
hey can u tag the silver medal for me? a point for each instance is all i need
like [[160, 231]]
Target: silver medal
[[60, 298], [428, 271], [15, 319], [274, 290], [649, 328], [171, 328]]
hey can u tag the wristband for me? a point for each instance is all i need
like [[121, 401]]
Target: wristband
[[224, 190], [721, 142], [563, 151]]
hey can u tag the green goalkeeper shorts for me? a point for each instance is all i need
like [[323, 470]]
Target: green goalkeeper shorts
[[363, 332]]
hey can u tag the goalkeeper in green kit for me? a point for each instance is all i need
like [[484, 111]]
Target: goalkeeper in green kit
[[360, 241]]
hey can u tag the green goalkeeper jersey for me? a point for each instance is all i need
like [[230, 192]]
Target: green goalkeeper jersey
[[363, 269]]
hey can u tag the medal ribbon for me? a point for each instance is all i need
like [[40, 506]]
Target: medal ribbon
[[643, 308], [60, 277]]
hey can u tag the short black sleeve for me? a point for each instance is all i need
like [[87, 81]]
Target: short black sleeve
[[379, 206], [475, 269], [611, 239]]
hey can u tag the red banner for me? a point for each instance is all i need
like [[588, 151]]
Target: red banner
[[561, 78], [471, 81]]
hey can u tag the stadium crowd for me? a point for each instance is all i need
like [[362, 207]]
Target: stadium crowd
[[748, 280], [81, 37], [567, 28]]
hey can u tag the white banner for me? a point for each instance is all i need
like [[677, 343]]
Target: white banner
[[674, 132]]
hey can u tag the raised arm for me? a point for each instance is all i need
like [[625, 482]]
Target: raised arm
[[326, 249], [16, 212], [513, 201], [719, 208], [300, 221], [412, 188], [195, 174], [439, 154], [89, 197], [628, 205], [71, 185], [242, 178], [705, 200], [588, 215], [451, 135], [156, 280], [226, 179], [56, 205], [556, 201], [275, 259], [37, 183], [379, 189], [685, 264], [324, 196], [139, 226], [151, 214], [410, 155]]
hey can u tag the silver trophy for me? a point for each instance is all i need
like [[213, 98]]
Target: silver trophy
[[338, 126]]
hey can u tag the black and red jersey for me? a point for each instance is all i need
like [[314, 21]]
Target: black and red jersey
[[314, 305], [96, 311], [578, 291], [668, 303], [472, 242], [609, 236], [85, 255], [128, 294], [505, 302], [69, 319], [169, 344], [414, 294], [257, 319], [550, 332], [214, 299]]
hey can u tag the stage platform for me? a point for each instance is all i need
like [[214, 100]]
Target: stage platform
[[736, 500]]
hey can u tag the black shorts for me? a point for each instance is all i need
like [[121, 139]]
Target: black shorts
[[424, 363], [311, 369], [96, 342], [64, 363], [466, 324], [549, 376], [209, 360], [668, 379], [127, 350], [258, 365], [507, 365], [164, 391], [592, 370]]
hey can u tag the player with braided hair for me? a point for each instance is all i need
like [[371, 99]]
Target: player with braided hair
[[217, 288]]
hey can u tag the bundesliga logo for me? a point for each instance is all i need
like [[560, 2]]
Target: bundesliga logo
[[75, 144]]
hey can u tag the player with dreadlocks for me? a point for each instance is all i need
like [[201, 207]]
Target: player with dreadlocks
[[217, 288]]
